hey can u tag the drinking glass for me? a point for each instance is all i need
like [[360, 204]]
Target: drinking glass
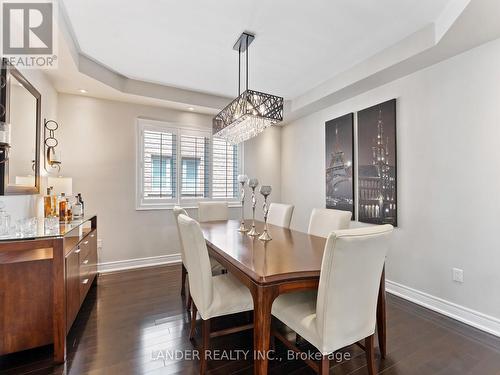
[[51, 225], [27, 227], [4, 221]]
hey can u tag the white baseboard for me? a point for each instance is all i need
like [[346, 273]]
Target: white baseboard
[[463, 314], [129, 264]]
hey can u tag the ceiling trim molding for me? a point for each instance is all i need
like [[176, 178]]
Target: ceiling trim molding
[[423, 48], [448, 16], [404, 49], [98, 71]]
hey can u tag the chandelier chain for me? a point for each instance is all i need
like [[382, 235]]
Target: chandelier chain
[[247, 60], [239, 70]]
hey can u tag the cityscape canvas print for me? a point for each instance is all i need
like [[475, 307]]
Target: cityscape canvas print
[[377, 177], [339, 136]]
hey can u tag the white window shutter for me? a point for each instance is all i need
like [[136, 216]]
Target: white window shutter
[[159, 165], [225, 169], [194, 166]]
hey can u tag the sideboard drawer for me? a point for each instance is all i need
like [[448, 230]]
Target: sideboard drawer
[[81, 266], [85, 283], [88, 263], [73, 299], [84, 248]]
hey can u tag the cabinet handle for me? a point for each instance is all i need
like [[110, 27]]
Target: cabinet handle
[[85, 261], [85, 242], [77, 250], [85, 281], [92, 235]]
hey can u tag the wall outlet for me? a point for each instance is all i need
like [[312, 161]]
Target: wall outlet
[[99, 243], [458, 275]]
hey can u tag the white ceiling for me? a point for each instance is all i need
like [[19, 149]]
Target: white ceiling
[[188, 43]]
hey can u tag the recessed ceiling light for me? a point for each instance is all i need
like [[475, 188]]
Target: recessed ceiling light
[[190, 109], [83, 91]]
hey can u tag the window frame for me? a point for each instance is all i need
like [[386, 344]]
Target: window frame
[[178, 130]]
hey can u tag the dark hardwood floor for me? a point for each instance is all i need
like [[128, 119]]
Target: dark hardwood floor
[[132, 320]]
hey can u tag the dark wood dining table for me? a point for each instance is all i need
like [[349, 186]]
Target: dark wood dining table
[[290, 262]]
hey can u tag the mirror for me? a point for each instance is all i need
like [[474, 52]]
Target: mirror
[[22, 117], [21, 148]]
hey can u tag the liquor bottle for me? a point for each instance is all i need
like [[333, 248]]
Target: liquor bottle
[[54, 204], [69, 210], [62, 207], [80, 199], [47, 204], [77, 209]]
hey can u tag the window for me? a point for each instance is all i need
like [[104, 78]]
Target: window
[[207, 170]]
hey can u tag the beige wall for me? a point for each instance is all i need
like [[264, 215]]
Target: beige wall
[[263, 160], [448, 182], [98, 152]]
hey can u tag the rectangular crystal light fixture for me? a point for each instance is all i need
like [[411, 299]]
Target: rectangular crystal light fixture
[[247, 116]]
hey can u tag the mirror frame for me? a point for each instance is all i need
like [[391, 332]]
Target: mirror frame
[[8, 71]]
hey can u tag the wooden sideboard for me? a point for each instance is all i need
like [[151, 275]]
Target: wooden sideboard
[[43, 283]]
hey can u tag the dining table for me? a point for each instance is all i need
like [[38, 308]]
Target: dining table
[[290, 262]]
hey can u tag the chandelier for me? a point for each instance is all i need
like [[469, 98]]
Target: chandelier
[[252, 111]]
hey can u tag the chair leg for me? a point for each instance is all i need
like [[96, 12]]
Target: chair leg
[[248, 316], [381, 317], [204, 345], [324, 365], [188, 298], [194, 312], [298, 339], [370, 354], [183, 281], [272, 340]]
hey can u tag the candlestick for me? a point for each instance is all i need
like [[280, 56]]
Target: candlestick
[[253, 183], [242, 179], [265, 190]]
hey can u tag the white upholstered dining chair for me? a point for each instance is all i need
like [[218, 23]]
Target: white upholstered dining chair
[[280, 214], [343, 310], [212, 211], [213, 296], [216, 267], [323, 221]]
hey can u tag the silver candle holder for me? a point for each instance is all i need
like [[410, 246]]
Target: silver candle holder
[[265, 190], [253, 183], [242, 179]]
